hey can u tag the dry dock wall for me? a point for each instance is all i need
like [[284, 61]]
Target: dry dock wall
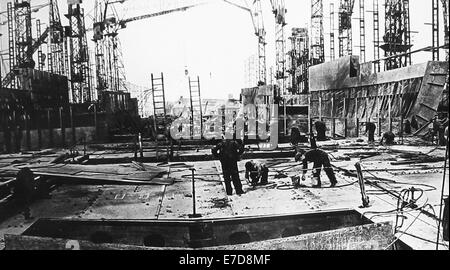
[[345, 95]]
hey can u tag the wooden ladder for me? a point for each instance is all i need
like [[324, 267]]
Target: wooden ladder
[[159, 108], [196, 107]]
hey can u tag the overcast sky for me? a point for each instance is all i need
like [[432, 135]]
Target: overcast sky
[[215, 40]]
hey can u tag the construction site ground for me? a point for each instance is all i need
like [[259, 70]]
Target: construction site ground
[[387, 171]]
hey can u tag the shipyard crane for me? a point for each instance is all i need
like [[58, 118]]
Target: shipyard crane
[[258, 24], [31, 50], [123, 23], [107, 48]]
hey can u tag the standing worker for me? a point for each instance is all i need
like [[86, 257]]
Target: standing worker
[[229, 152], [371, 127], [321, 129], [436, 132], [407, 127], [320, 159], [295, 136], [312, 141], [256, 173]]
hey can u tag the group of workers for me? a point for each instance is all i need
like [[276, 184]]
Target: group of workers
[[229, 152]]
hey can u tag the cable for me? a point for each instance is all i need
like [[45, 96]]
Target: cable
[[431, 188], [290, 186], [398, 238]]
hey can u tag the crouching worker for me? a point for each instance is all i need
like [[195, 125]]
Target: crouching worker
[[229, 152], [24, 190], [388, 138], [320, 159], [256, 173]]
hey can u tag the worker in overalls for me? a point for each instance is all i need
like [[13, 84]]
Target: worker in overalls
[[24, 190], [321, 129], [437, 130], [256, 173], [371, 128], [407, 127], [312, 141], [320, 159], [295, 136], [7, 133], [229, 153]]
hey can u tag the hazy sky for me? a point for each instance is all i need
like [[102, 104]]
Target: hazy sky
[[213, 41]]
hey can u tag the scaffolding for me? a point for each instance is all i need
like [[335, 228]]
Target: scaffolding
[[299, 61], [110, 70], [445, 7], [376, 35], [23, 37], [261, 34], [79, 56], [279, 11], [435, 29], [55, 43], [332, 44], [40, 54], [317, 33], [11, 51], [345, 27], [362, 32], [397, 39]]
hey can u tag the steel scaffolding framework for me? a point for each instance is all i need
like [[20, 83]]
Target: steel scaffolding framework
[[40, 54], [11, 42], [345, 27], [261, 34], [362, 32], [445, 7], [292, 63], [23, 36], [332, 44], [299, 60], [55, 42], [317, 33], [376, 35], [435, 29], [279, 11], [110, 70], [397, 39], [79, 56]]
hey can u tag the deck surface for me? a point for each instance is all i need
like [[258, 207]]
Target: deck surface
[[174, 201]]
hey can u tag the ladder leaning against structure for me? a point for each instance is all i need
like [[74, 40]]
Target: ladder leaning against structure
[[196, 108], [159, 111]]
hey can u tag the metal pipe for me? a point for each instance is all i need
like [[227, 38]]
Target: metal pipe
[[442, 196], [194, 213]]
